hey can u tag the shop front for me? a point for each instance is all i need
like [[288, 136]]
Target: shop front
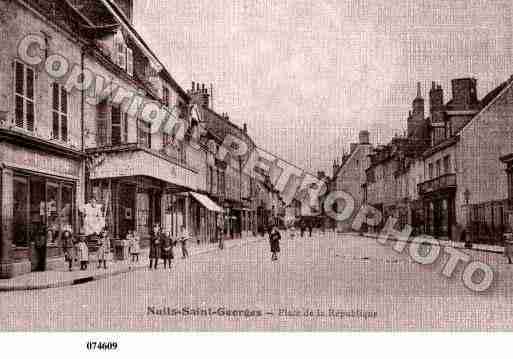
[[140, 189], [205, 214], [39, 188], [439, 214]]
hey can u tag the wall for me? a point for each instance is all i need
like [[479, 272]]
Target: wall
[[485, 139]]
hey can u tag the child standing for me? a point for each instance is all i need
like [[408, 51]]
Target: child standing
[[135, 248], [167, 249], [103, 249], [68, 247], [82, 254], [184, 237]]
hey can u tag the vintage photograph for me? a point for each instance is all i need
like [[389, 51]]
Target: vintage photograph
[[256, 166]]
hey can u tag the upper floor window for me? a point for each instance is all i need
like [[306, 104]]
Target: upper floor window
[[119, 126], [447, 164], [430, 171], [165, 96], [438, 168], [123, 56], [59, 112], [144, 133], [24, 104]]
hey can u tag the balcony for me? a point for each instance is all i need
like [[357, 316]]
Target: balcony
[[444, 182]]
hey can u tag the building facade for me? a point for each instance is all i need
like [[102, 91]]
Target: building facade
[[350, 176]]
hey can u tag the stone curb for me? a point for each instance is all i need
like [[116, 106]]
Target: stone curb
[[474, 247], [95, 277]]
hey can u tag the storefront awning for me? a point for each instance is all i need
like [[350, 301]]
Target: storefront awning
[[207, 202]]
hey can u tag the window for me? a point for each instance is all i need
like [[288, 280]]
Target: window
[[144, 133], [129, 61], [165, 96], [59, 112], [447, 164], [20, 213], [120, 53], [438, 168], [430, 173], [40, 203], [116, 138], [24, 106]]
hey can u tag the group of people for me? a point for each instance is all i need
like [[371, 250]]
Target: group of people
[[77, 250], [162, 244]]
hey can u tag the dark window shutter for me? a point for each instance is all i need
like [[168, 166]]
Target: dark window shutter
[[116, 126]]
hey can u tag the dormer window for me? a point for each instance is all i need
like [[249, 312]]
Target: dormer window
[[123, 55]]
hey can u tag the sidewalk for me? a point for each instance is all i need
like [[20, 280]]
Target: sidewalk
[[454, 244], [56, 279]]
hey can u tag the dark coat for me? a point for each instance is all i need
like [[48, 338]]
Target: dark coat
[[155, 245], [167, 247], [274, 240]]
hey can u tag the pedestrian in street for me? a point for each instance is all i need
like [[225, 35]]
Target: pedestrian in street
[[103, 249], [184, 237], [69, 248], [155, 246], [221, 238], [135, 247], [309, 230], [82, 254], [167, 249], [302, 228], [274, 241]]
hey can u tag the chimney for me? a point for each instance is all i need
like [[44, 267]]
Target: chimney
[[436, 103], [127, 8], [364, 137], [464, 94]]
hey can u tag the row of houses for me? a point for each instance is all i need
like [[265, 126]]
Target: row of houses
[[451, 171], [62, 149]]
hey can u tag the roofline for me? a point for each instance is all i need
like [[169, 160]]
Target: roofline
[[121, 17], [506, 88]]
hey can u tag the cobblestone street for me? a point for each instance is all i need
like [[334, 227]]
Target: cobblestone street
[[327, 275]]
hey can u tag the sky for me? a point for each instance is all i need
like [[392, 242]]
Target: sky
[[307, 76]]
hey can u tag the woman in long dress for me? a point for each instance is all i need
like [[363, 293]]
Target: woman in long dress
[[274, 241]]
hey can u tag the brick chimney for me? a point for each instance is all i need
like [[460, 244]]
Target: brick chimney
[[364, 137], [199, 94], [436, 102], [464, 94]]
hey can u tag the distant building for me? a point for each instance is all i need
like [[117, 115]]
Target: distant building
[[349, 176]]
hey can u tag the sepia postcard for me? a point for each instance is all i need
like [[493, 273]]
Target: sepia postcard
[[256, 166]]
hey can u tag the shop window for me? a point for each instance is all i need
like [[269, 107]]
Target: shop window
[[59, 112], [66, 208], [52, 214], [37, 219], [40, 204], [20, 207], [24, 105], [143, 213]]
